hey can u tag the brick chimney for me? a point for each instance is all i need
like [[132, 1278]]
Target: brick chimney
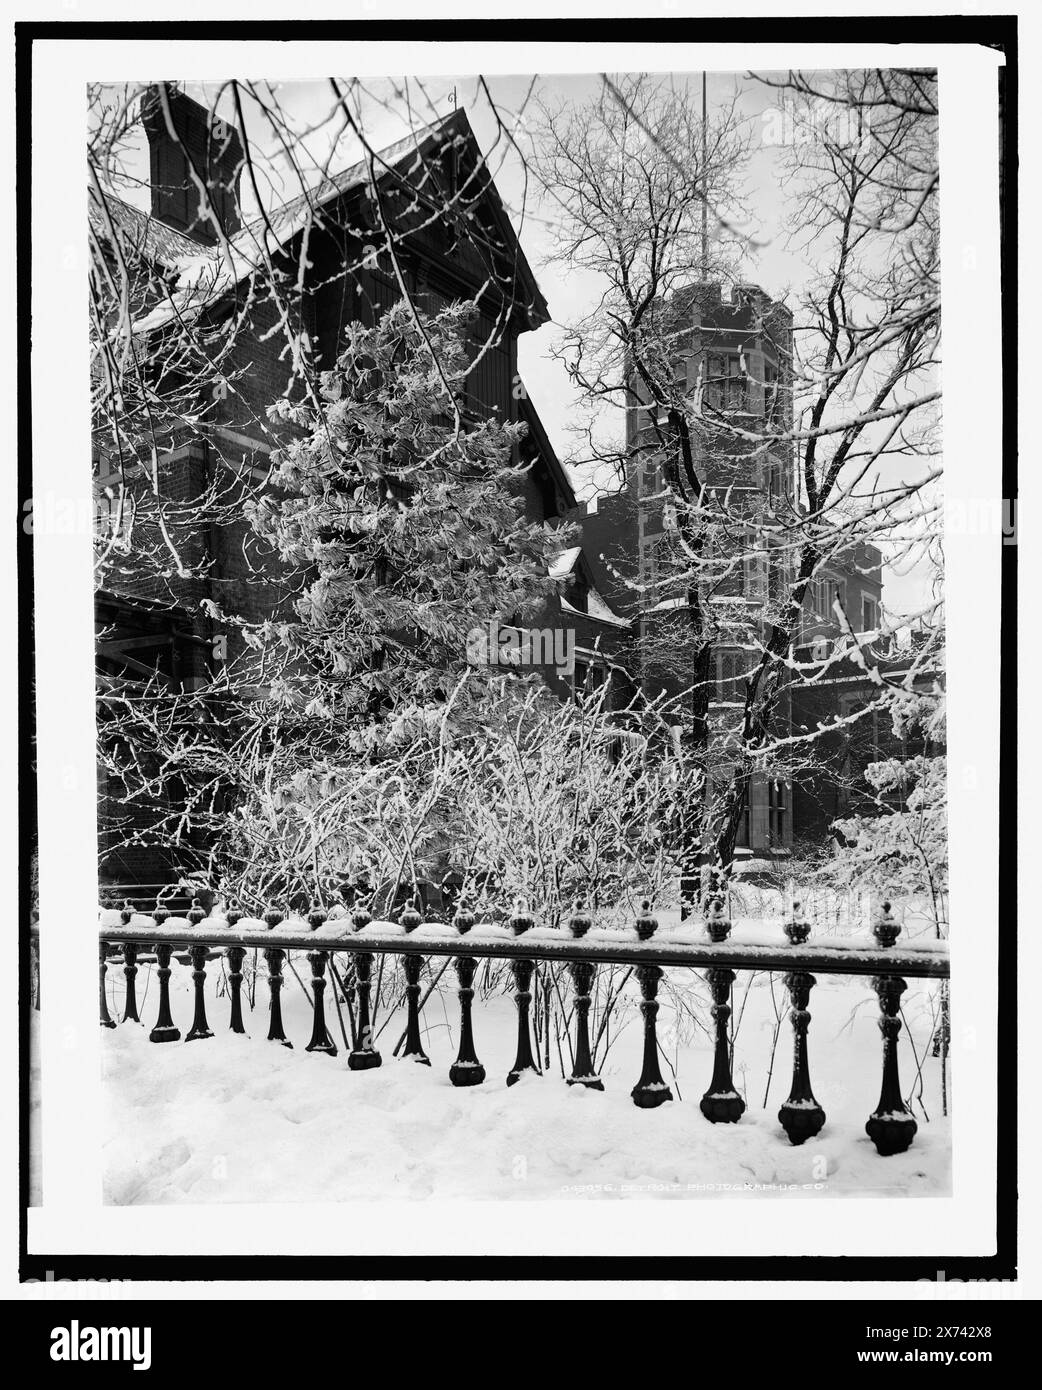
[[202, 142]]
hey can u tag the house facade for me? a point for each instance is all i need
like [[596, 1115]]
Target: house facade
[[453, 241], [736, 351]]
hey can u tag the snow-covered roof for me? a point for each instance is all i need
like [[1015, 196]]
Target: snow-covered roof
[[597, 608], [210, 272], [146, 234], [274, 229], [565, 562]]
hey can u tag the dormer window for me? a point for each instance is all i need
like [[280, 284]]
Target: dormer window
[[579, 593]]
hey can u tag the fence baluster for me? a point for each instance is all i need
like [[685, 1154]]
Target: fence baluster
[[721, 1103], [164, 1031], [130, 971], [650, 1090], [107, 1020], [274, 959], [524, 1061], [521, 921], [236, 956], [800, 1116], [320, 1038], [891, 1126], [363, 1055], [200, 1028], [413, 1046], [582, 973], [718, 928], [466, 1070]]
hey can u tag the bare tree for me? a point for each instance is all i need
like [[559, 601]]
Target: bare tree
[[849, 417]]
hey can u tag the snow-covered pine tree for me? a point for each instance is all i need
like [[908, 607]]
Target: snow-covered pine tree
[[398, 519], [899, 848]]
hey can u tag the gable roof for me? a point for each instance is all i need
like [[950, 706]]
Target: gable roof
[[210, 272], [575, 562], [142, 232]]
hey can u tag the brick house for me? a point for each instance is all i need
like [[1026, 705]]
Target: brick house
[[150, 623], [843, 694], [739, 350]]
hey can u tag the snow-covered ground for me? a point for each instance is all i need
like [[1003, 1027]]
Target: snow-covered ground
[[240, 1119]]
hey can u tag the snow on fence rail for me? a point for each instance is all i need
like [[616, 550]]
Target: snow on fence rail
[[709, 945]]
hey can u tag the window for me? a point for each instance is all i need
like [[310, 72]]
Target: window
[[725, 381], [819, 650], [775, 483], [820, 595], [777, 575], [730, 676], [752, 577], [770, 390], [869, 614], [649, 564], [589, 675], [777, 808], [742, 833], [579, 593], [864, 736]]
